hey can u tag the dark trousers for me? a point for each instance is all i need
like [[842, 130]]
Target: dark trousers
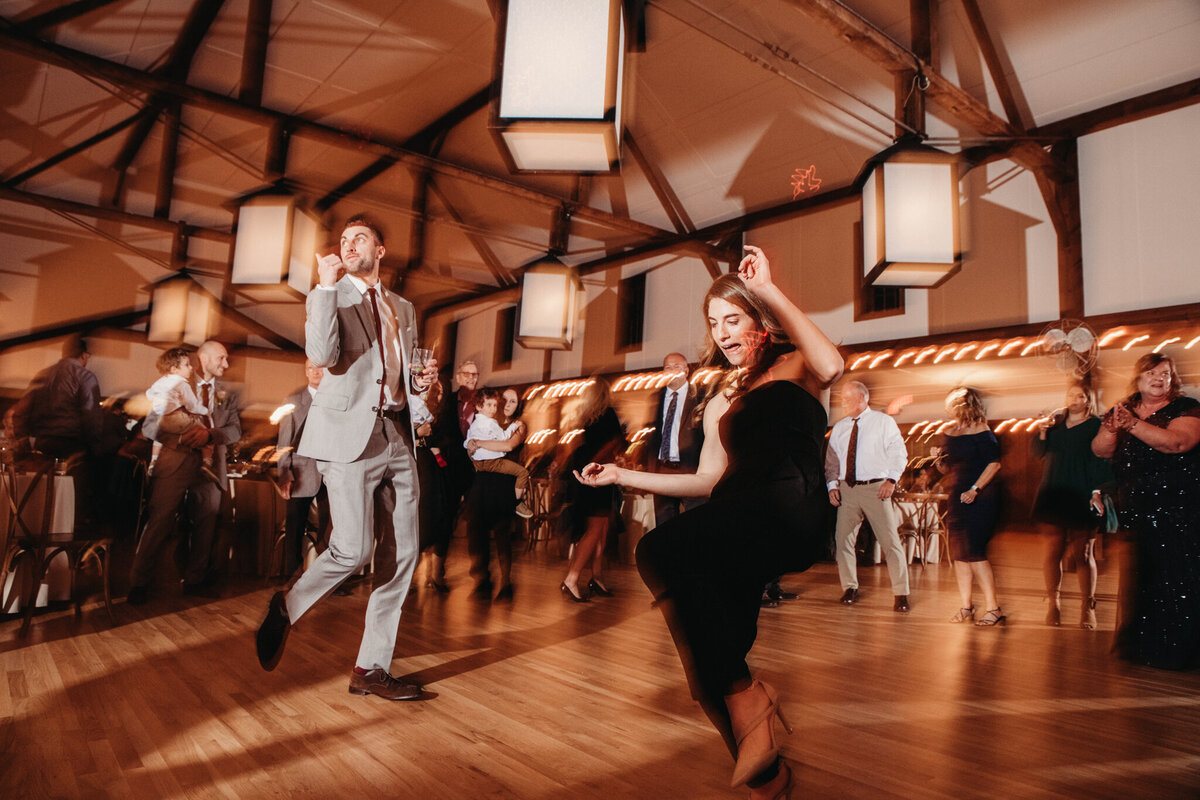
[[707, 568], [489, 510], [296, 522]]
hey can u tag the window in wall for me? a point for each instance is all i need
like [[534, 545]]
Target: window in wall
[[872, 302], [506, 331], [631, 312]]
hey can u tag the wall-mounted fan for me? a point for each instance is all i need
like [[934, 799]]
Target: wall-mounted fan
[[1071, 345]]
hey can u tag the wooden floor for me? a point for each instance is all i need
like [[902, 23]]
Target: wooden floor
[[542, 698]]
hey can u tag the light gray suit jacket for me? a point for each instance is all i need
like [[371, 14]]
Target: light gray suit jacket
[[302, 471], [340, 336]]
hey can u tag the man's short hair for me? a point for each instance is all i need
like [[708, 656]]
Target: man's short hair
[[859, 387], [366, 222], [172, 358], [74, 346], [486, 394]]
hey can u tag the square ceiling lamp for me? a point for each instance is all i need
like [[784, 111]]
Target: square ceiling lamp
[[274, 249], [550, 296], [561, 65], [181, 310], [910, 217]]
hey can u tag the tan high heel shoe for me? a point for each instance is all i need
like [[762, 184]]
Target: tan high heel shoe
[[1088, 620], [750, 764], [775, 790]]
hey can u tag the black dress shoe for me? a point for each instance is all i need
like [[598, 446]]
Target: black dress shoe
[[596, 587], [137, 596], [567, 593], [380, 684], [273, 633], [776, 592], [849, 597], [901, 603]]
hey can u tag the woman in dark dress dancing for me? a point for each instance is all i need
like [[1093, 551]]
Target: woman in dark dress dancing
[[1151, 437], [1068, 507], [972, 454], [761, 465]]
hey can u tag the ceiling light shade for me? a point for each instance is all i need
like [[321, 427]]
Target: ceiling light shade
[[561, 65], [181, 311], [550, 297], [910, 217], [273, 251]]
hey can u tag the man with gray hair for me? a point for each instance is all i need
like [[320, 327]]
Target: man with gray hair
[[865, 458]]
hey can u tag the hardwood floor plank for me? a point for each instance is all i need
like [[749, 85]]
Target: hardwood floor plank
[[540, 698]]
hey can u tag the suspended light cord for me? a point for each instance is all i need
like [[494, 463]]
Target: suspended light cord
[[787, 57]]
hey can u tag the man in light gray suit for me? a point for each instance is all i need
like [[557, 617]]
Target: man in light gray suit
[[358, 430], [299, 479]]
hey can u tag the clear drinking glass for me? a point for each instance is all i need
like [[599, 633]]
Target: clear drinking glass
[[420, 357]]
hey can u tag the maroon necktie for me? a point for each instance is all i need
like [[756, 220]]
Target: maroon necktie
[[852, 455], [379, 338]]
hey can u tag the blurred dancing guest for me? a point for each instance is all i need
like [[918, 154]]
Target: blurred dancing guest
[[972, 456], [360, 432], [61, 411], [299, 479], [180, 471], [761, 466], [450, 426], [1068, 506], [1151, 437], [594, 505]]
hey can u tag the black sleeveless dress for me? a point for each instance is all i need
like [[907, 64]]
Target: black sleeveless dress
[[766, 516]]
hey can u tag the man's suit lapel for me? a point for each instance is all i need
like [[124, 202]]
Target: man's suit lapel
[[354, 299]]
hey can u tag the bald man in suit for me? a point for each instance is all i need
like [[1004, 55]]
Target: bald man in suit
[[360, 433]]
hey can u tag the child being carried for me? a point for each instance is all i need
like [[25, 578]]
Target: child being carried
[[174, 401], [485, 428]]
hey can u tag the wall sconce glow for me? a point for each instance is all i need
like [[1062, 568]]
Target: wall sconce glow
[[928, 351], [1134, 341], [273, 253], [1110, 335], [903, 357], [1000, 428], [1190, 344], [550, 296], [858, 361], [281, 412], [913, 429], [945, 352], [910, 217], [1008, 347], [1025, 350], [561, 66], [875, 361], [1166, 342], [964, 350], [181, 311]]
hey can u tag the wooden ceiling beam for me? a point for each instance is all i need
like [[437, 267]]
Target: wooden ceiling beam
[[114, 215], [75, 149], [60, 15], [991, 58], [254, 52], [1123, 111], [128, 77]]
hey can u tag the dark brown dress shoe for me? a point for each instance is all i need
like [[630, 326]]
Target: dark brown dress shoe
[[849, 597], [378, 682], [273, 633], [901, 603]]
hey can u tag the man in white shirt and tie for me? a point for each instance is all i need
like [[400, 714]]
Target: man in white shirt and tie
[[865, 458]]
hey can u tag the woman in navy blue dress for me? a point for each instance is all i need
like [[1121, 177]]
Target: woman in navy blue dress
[[761, 467], [972, 455]]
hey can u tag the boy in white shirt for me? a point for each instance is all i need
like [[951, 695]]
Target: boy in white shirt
[[485, 428], [174, 401]]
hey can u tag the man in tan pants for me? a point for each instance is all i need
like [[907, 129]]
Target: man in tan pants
[[865, 459]]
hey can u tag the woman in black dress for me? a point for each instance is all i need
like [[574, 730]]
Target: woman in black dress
[[1068, 507], [972, 455], [761, 465], [1151, 437], [593, 508]]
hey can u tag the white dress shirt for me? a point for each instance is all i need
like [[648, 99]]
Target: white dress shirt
[[881, 450], [672, 436]]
